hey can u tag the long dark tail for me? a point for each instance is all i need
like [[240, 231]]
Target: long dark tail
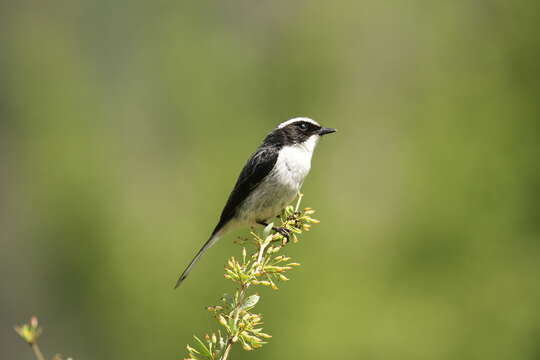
[[215, 237]]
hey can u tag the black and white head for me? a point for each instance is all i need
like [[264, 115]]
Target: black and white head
[[299, 131]]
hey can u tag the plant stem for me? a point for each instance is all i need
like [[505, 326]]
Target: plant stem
[[37, 351], [300, 196], [241, 295], [261, 252], [227, 350]]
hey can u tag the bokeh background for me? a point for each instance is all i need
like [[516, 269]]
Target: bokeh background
[[123, 126]]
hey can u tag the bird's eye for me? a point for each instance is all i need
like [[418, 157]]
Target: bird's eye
[[303, 126]]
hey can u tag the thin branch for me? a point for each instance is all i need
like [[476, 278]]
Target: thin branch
[[227, 351], [37, 352]]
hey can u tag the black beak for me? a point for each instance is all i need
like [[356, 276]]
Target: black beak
[[325, 131]]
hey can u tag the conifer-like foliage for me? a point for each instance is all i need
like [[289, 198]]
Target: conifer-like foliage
[[260, 264]]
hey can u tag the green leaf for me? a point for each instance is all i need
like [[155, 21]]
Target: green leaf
[[250, 302], [228, 301], [267, 230], [190, 349], [289, 210], [204, 350]]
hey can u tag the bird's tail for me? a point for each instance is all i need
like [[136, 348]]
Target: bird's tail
[[215, 237]]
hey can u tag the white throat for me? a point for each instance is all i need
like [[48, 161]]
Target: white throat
[[296, 159], [310, 143]]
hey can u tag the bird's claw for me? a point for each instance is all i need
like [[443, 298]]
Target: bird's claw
[[284, 232]]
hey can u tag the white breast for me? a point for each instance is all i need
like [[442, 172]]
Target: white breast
[[294, 162], [282, 185]]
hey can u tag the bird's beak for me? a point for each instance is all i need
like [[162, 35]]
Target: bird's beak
[[325, 131]]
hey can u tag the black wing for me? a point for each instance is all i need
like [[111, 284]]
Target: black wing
[[258, 166]]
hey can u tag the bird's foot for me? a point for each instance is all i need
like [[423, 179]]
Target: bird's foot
[[284, 232], [281, 230]]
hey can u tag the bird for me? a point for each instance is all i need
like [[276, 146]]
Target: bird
[[269, 181]]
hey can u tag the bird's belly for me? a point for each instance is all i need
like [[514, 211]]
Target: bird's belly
[[266, 202], [275, 192]]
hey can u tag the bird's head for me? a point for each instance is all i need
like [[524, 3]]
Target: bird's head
[[299, 130]]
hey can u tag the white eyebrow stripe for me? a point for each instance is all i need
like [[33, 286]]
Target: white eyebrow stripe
[[288, 122]]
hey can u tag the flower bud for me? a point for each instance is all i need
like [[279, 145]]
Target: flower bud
[[264, 335]]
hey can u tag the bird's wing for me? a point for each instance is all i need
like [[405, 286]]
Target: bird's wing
[[257, 167]]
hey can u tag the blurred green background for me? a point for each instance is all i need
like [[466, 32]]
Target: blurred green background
[[123, 126]]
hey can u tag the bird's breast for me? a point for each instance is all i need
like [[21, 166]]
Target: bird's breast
[[279, 187], [293, 165]]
